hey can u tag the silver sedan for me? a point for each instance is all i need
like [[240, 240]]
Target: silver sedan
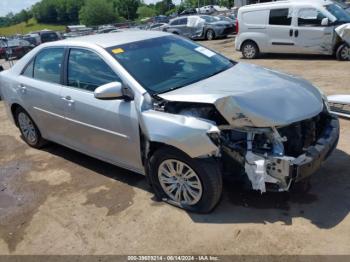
[[175, 111]]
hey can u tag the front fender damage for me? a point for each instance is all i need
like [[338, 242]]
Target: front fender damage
[[186, 133]]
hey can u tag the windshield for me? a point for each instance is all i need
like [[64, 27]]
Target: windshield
[[167, 63], [341, 15]]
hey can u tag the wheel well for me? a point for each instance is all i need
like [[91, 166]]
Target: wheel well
[[14, 108], [247, 41], [339, 43]]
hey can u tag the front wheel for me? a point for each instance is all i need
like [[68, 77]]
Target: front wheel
[[343, 52], [250, 50], [191, 184]]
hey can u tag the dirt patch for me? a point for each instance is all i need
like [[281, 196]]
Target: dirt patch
[[26, 183]]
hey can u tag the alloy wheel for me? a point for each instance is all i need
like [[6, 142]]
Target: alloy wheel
[[27, 127], [249, 51], [345, 53], [180, 182]]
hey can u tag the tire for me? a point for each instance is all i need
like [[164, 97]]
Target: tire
[[210, 35], [343, 52], [30, 132], [206, 176], [250, 50]]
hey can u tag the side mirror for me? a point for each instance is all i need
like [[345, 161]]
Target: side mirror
[[325, 22], [1, 68], [113, 90]]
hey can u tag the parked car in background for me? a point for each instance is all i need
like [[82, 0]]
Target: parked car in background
[[34, 39], [158, 26], [3, 45], [160, 19], [49, 36], [169, 108], [105, 30], [294, 27], [200, 27], [189, 11], [17, 48], [227, 19]]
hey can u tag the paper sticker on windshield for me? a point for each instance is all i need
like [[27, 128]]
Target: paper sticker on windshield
[[118, 51], [205, 51]]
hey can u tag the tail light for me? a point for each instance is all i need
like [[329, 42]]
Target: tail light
[[237, 27]]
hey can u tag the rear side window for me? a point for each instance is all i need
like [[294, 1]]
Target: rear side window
[[280, 17], [28, 71], [47, 65], [87, 71], [183, 21], [310, 17]]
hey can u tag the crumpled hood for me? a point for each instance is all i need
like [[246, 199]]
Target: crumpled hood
[[344, 32], [252, 96]]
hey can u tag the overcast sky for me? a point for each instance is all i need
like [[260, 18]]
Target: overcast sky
[[15, 6]]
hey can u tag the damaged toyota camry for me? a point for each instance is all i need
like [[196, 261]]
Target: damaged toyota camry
[[177, 112]]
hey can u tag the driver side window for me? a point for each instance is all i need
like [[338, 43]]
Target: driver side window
[[310, 17], [87, 71]]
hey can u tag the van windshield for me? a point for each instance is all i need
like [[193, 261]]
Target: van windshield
[[339, 13]]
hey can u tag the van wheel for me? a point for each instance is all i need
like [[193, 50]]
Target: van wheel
[[210, 35], [343, 52], [30, 133], [250, 50], [192, 184]]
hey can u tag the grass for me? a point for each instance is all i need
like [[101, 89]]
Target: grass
[[24, 28]]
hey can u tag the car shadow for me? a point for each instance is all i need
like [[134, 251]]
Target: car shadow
[[100, 167], [325, 205]]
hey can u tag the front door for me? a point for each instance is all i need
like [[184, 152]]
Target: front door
[[311, 37], [106, 129]]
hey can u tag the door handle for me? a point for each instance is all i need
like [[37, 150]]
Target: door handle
[[69, 100], [291, 32], [296, 33]]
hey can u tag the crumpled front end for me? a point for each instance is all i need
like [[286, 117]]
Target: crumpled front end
[[275, 158]]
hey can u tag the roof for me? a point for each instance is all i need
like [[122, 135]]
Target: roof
[[113, 39], [286, 2]]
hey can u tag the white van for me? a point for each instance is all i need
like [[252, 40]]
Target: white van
[[299, 27]]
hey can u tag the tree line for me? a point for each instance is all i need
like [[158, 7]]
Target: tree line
[[96, 12]]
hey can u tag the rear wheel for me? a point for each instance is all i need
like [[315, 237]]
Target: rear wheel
[[30, 133], [189, 183], [250, 50], [210, 34], [343, 52]]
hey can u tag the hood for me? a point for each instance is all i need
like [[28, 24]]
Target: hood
[[344, 32], [251, 96]]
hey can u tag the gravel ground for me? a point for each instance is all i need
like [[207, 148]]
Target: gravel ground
[[58, 201]]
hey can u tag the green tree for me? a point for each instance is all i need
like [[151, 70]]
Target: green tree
[[97, 12], [145, 11], [127, 8], [24, 16]]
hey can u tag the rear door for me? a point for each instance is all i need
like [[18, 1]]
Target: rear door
[[39, 87], [106, 129], [311, 37], [280, 31]]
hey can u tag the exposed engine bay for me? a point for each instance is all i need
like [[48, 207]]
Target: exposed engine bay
[[271, 158]]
